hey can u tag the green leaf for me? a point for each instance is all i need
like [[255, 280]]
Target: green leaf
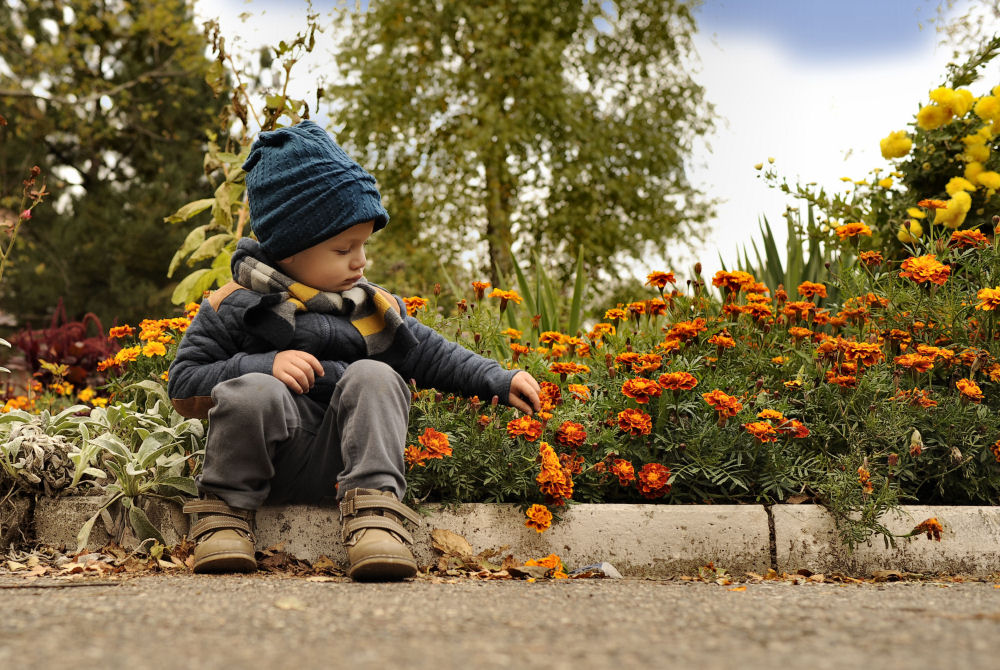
[[192, 287], [144, 529], [211, 247], [183, 484], [579, 289], [189, 210], [193, 240]]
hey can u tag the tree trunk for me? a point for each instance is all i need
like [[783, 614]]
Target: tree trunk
[[498, 232]]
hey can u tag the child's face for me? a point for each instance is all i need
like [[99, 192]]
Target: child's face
[[335, 264]]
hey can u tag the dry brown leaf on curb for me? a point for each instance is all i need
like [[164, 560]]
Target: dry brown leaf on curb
[[450, 544]]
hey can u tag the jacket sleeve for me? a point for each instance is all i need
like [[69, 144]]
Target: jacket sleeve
[[438, 363], [209, 353]]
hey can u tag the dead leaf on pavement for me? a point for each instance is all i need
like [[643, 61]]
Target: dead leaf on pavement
[[449, 543]]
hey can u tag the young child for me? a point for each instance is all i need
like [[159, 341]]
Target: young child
[[301, 366]]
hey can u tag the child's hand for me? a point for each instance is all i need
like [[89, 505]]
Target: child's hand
[[524, 393], [296, 369]]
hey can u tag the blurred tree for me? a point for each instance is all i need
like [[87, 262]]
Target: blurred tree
[[523, 126], [109, 97]]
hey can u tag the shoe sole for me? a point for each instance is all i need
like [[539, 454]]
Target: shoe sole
[[226, 562], [382, 569]]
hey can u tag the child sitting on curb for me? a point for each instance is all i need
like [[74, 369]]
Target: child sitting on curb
[[301, 365]]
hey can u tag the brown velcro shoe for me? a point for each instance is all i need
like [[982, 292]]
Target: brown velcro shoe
[[374, 536], [224, 536]]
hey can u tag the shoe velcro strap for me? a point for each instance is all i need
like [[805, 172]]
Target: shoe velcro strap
[[385, 523], [350, 506], [215, 507], [211, 524]]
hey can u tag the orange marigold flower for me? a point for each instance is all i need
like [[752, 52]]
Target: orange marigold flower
[[677, 381], [647, 363], [414, 456], [686, 330], [989, 299], [841, 380], [916, 397], [968, 239], [917, 362], [932, 527], [640, 389], [549, 395], [770, 414], [654, 480], [762, 430], [567, 368], [969, 390], [660, 279], [551, 336], [871, 257], [526, 427], [867, 353], [616, 314], [794, 427], [931, 203], [995, 448], [636, 308], [798, 308], [106, 363], [579, 391], [435, 443], [625, 471], [656, 307], [852, 230], [723, 403], [479, 288], [539, 518], [722, 340], [571, 434], [865, 479], [733, 282], [925, 268], [797, 332], [121, 331], [512, 333], [669, 344], [552, 562], [553, 479], [634, 422], [808, 289], [779, 360], [505, 297]]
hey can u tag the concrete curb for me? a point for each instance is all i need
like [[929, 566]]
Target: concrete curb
[[639, 540]]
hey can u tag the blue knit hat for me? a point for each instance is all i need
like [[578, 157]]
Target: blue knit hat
[[303, 189]]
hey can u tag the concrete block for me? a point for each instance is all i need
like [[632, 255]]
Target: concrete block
[[805, 537], [58, 521], [639, 540], [15, 519]]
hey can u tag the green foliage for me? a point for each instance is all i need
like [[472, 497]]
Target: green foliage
[[521, 126], [808, 254], [109, 99]]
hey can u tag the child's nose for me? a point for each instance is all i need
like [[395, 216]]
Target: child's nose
[[359, 260]]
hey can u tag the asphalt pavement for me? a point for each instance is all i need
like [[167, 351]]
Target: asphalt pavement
[[281, 622]]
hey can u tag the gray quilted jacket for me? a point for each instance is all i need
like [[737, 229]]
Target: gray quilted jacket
[[220, 345]]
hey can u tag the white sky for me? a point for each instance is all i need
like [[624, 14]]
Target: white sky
[[821, 118]]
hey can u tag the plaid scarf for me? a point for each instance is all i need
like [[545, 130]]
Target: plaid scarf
[[373, 311]]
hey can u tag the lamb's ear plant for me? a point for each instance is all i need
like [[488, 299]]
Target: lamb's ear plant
[[148, 449]]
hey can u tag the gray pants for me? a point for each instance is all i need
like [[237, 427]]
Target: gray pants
[[267, 444]]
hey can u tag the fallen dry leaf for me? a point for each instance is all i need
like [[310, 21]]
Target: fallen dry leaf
[[290, 603], [738, 588], [450, 544]]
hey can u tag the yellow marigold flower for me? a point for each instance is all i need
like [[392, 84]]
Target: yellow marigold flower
[[885, 182], [958, 102], [127, 355], [956, 184], [953, 215], [616, 314], [579, 391], [932, 117], [989, 299], [539, 518], [505, 297], [86, 394], [989, 179], [973, 170], [976, 153], [987, 108], [916, 213], [512, 333], [154, 349], [852, 230], [909, 232], [896, 145]]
